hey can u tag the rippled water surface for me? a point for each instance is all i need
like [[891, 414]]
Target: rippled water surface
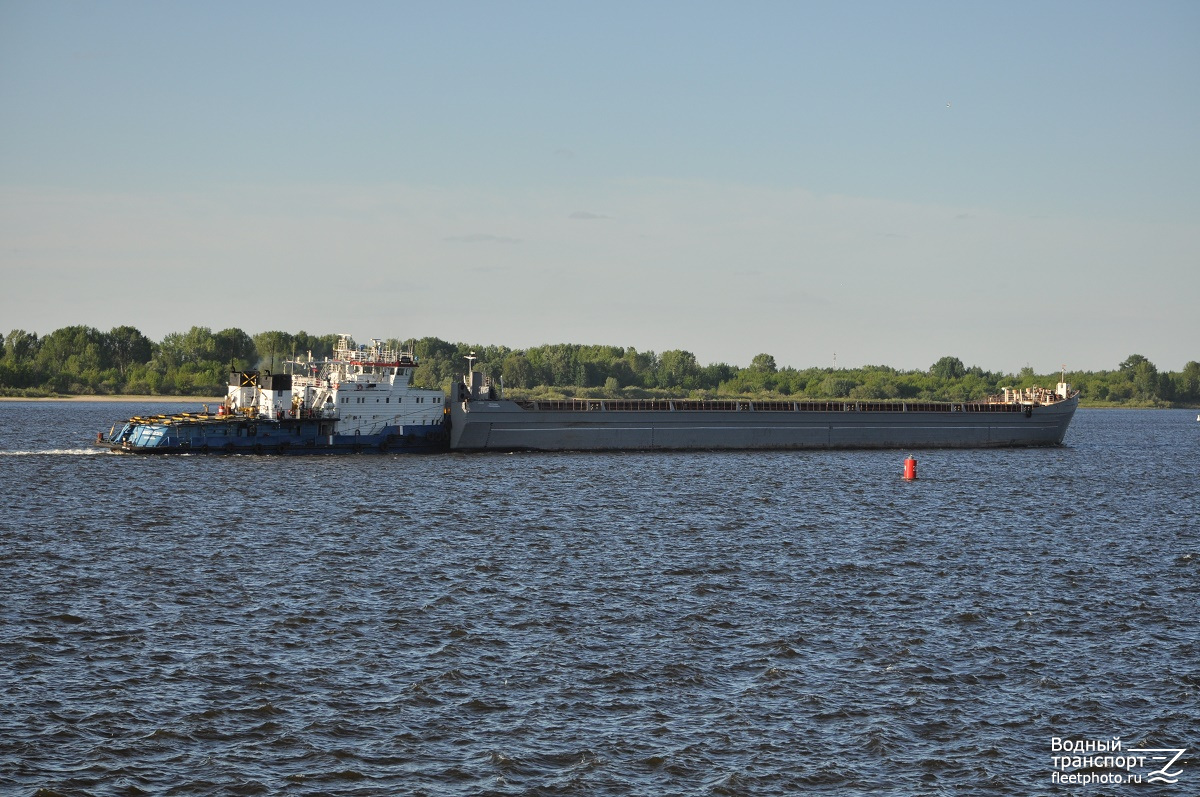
[[685, 623]]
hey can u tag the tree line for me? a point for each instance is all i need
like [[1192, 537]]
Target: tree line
[[82, 360]]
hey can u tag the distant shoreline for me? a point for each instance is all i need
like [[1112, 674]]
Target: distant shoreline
[[215, 401], [140, 399]]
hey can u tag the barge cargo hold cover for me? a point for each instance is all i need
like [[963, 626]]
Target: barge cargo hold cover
[[481, 419]]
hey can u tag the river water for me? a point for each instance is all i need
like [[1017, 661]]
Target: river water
[[597, 624]]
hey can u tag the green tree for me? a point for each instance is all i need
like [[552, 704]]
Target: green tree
[[127, 346], [764, 363], [21, 345], [517, 371], [836, 387], [321, 346], [1096, 389], [1143, 378], [557, 367], [74, 350], [677, 369], [233, 348], [20, 369], [194, 346], [643, 366], [711, 376], [1187, 383], [948, 368], [876, 386], [273, 348], [1132, 362], [1121, 391]]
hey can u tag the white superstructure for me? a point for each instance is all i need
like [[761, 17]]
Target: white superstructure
[[368, 388]]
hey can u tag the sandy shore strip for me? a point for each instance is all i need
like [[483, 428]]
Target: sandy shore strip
[[140, 399]]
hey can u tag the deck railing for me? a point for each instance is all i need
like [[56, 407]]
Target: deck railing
[[691, 405]]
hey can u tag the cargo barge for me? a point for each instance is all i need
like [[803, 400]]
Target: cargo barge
[[481, 419], [362, 401]]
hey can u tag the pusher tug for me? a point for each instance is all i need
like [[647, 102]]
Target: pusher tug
[[359, 401]]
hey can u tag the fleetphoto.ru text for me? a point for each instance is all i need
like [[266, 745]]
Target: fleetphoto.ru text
[[1086, 762]]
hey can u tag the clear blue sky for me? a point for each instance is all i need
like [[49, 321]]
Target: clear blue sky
[[1011, 183]]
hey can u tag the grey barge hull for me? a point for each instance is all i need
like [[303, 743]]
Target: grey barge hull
[[483, 423]]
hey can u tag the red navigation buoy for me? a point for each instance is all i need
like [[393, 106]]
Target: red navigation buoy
[[910, 469]]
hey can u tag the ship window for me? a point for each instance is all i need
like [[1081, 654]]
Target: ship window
[[387, 400]]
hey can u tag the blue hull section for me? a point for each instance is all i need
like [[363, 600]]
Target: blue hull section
[[272, 437]]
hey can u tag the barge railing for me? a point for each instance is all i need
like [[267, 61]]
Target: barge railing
[[691, 405]]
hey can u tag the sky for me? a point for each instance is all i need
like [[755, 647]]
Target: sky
[[832, 183]]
